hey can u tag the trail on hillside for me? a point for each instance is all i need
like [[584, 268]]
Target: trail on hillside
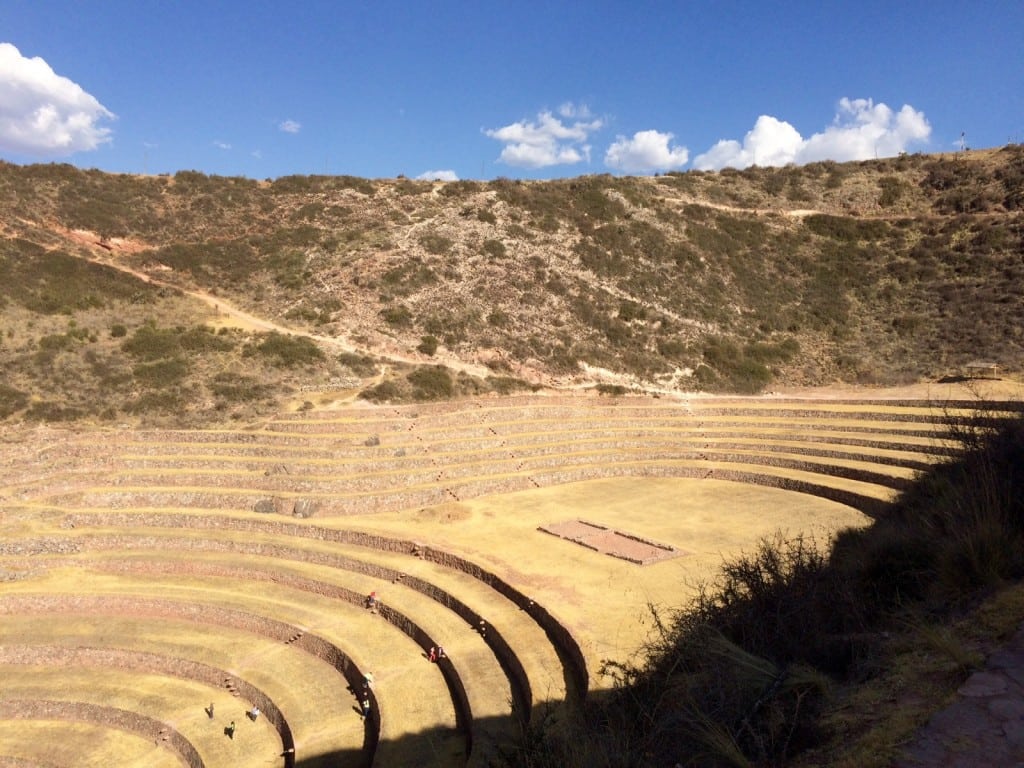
[[103, 252]]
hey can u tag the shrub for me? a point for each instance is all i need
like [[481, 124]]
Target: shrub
[[162, 373], [397, 315], [892, 189], [11, 400], [437, 244], [383, 392], [238, 388], [427, 345], [200, 338], [431, 383], [631, 310], [152, 343], [46, 410], [498, 318], [495, 249], [285, 351], [506, 385], [360, 365]]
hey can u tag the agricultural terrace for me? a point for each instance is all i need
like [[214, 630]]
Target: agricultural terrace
[[159, 584]]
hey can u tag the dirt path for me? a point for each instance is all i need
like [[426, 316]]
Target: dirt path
[[104, 252]]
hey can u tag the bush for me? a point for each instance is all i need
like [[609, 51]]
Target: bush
[[437, 244], [397, 315], [238, 388], [495, 249], [427, 345], [11, 400], [285, 351], [506, 385], [383, 392], [360, 365], [433, 383], [162, 373], [152, 343], [46, 410]]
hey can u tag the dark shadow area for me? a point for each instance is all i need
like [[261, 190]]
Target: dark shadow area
[[960, 379], [512, 747]]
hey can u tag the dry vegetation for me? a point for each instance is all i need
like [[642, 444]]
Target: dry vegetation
[[869, 273]]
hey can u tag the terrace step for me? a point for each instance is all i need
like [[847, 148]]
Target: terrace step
[[309, 693]]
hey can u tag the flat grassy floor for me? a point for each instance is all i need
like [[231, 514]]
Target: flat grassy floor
[[604, 600]]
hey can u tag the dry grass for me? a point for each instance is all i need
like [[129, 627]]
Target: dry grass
[[328, 455]]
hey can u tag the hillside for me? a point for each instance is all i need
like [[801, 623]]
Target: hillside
[[190, 298]]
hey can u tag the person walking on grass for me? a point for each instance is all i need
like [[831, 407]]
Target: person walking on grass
[[230, 730]]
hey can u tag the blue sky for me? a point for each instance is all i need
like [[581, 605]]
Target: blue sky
[[486, 89]]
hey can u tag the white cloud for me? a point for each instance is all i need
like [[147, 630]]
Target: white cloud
[[547, 141], [861, 130], [43, 113], [221, 145], [646, 151], [570, 110], [438, 176], [290, 126]]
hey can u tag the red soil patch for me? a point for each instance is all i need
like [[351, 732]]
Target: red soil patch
[[602, 539]]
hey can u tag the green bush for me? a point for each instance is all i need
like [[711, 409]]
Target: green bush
[[200, 339], [506, 385], [385, 391], [360, 365], [161, 373], [152, 343], [286, 351], [431, 383]]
